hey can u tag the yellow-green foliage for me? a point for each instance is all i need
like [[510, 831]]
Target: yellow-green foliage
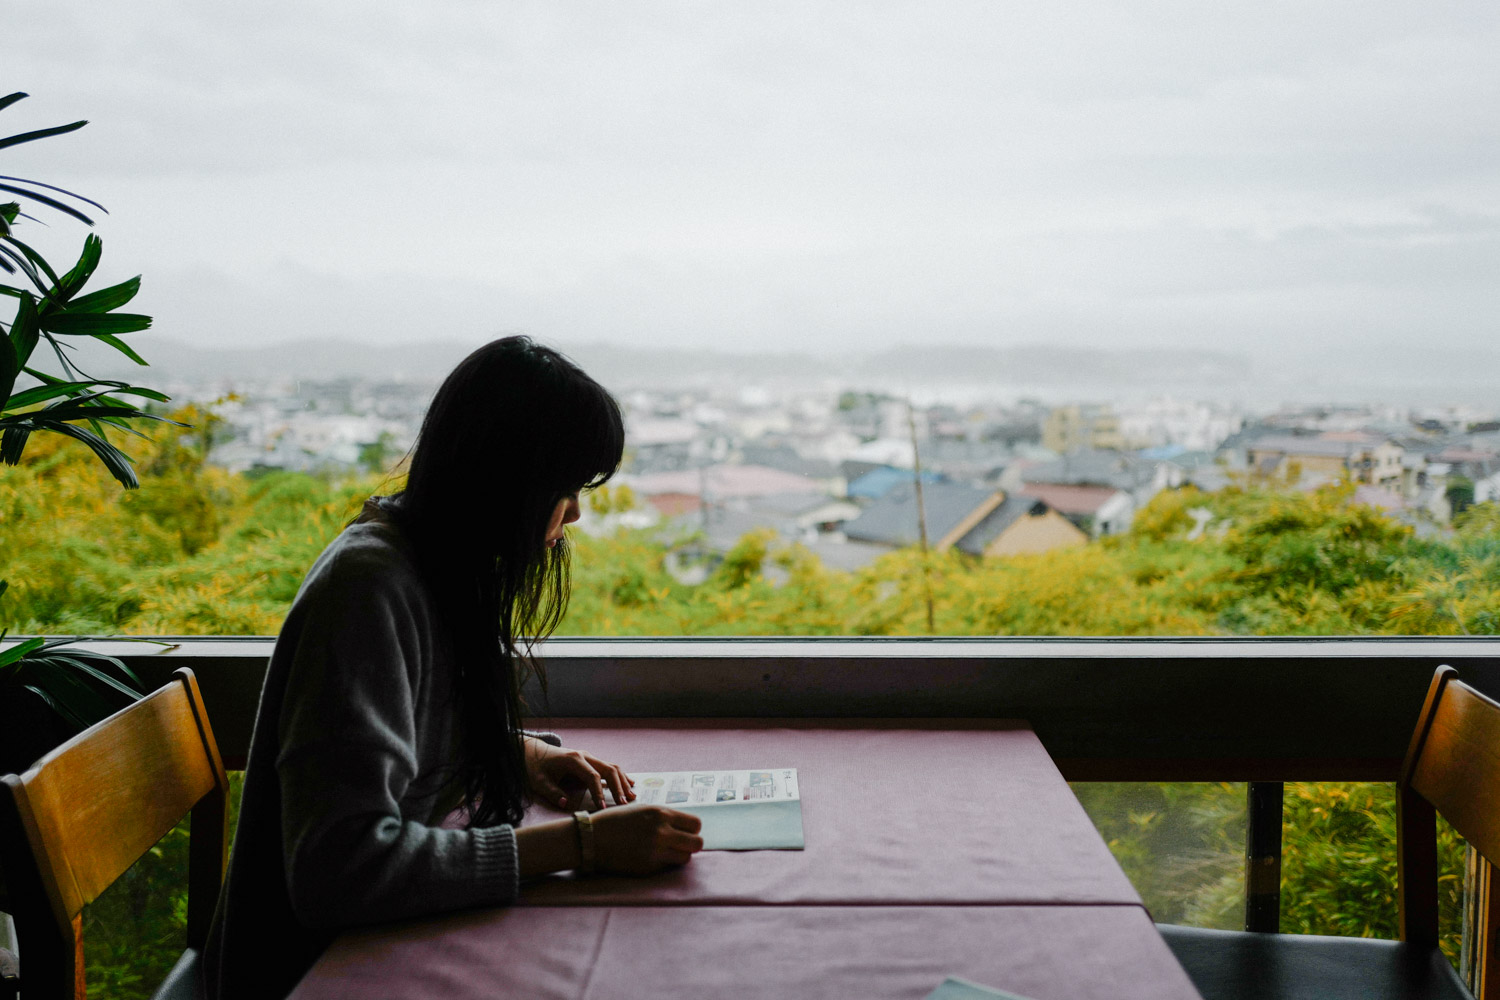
[[1183, 847], [195, 551], [199, 551], [1340, 877]]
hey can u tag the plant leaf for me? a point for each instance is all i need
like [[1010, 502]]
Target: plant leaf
[[42, 393], [76, 660], [10, 367], [54, 187], [34, 257], [65, 409], [45, 200], [73, 719], [106, 299], [115, 460], [99, 325], [25, 267], [24, 329], [78, 276], [120, 345], [41, 133], [12, 443], [57, 346], [73, 699], [14, 653]]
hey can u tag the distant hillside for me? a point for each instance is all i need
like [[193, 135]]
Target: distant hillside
[[1048, 365], [625, 367], [1426, 375]]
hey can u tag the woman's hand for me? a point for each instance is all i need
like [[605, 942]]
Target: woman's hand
[[565, 778], [642, 839]]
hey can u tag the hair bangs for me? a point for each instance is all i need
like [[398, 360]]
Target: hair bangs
[[598, 432]]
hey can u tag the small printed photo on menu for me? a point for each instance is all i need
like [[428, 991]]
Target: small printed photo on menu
[[761, 786]]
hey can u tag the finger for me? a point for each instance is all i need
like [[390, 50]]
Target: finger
[[607, 774], [617, 786], [676, 857], [597, 785], [679, 841], [583, 772], [621, 785], [683, 821], [548, 791]]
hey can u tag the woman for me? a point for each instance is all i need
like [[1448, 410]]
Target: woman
[[392, 696]]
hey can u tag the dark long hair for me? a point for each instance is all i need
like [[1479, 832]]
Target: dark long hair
[[514, 429]]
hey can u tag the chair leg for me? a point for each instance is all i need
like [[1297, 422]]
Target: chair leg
[[1263, 814], [10, 975], [1486, 981]]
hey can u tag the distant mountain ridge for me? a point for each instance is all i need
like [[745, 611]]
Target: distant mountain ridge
[[628, 367]]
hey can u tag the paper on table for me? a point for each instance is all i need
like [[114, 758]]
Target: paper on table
[[750, 810], [954, 988]]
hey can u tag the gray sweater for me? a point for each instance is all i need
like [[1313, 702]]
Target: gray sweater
[[350, 772]]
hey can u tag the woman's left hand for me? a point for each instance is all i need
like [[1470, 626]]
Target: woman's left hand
[[565, 778]]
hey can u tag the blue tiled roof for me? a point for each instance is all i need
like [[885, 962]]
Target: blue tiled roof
[[878, 482]]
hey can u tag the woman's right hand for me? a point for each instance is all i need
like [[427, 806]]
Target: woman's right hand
[[640, 839]]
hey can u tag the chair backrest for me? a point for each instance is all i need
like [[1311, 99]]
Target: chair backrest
[[1452, 768], [84, 813]]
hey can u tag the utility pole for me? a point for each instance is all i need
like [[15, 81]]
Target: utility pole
[[703, 498], [916, 461]]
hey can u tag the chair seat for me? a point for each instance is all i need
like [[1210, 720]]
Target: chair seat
[[185, 981], [1239, 965]]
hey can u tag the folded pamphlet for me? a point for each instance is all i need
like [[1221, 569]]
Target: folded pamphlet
[[954, 988], [753, 810]]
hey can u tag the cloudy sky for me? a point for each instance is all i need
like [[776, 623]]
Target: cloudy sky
[[803, 175]]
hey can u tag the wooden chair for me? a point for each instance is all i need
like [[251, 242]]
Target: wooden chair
[[83, 814], [1453, 768]]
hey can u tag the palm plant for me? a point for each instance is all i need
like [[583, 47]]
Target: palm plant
[[51, 310]]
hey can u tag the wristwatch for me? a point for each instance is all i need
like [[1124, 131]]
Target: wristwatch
[[588, 857]]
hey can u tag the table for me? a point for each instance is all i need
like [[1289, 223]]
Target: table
[[934, 848], [894, 811], [780, 952]]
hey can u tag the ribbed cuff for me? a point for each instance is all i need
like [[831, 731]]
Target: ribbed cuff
[[497, 864], [544, 736]]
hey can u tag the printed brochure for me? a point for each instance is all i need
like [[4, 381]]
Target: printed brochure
[[752, 810], [954, 988]]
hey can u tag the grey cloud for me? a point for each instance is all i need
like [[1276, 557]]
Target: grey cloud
[[790, 174]]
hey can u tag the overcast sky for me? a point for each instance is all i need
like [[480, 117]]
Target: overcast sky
[[804, 175]]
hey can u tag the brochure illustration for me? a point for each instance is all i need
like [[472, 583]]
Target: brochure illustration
[[752, 810]]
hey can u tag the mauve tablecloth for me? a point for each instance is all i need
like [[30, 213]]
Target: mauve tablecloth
[[934, 848], [803, 952], [894, 811]]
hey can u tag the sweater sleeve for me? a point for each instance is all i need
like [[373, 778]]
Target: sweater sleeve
[[348, 759]]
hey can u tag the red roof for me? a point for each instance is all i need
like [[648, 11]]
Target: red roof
[[672, 504], [1069, 499], [723, 482]]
